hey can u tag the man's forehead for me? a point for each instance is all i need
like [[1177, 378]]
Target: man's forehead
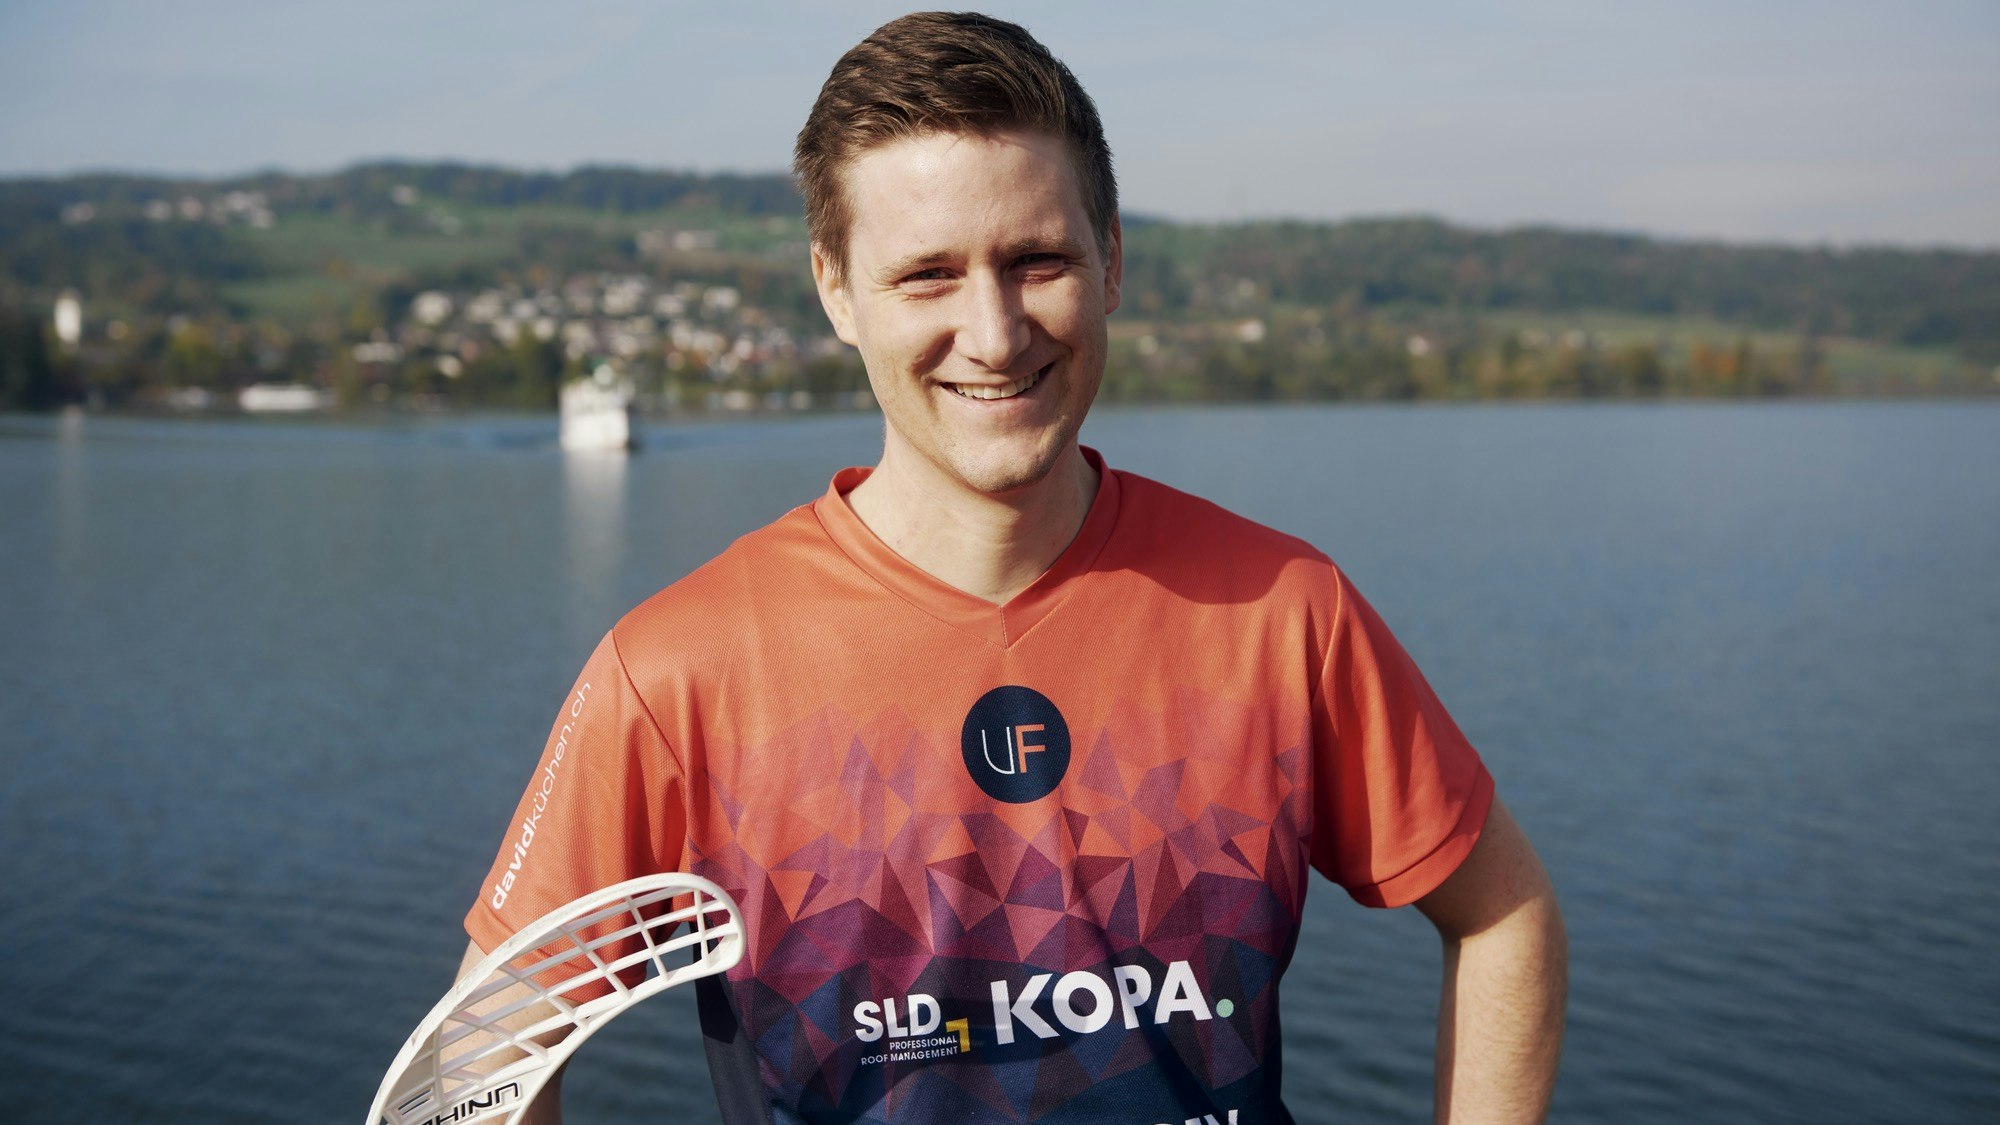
[[944, 187]]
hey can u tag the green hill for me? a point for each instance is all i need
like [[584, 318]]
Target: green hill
[[697, 284]]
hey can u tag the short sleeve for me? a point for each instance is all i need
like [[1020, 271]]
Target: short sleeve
[[1399, 795], [604, 805]]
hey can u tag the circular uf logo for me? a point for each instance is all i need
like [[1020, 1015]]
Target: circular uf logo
[[1016, 744]]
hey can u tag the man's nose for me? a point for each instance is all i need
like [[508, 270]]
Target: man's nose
[[994, 331]]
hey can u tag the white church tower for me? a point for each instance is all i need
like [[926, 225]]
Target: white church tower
[[69, 318]]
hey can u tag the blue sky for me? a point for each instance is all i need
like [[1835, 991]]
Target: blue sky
[[1782, 120]]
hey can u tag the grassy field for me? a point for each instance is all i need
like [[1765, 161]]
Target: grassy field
[[294, 297], [1854, 364], [752, 234], [1861, 363], [309, 243], [321, 263]]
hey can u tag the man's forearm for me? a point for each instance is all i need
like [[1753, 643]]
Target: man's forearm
[[546, 1109], [1500, 1018], [1506, 978]]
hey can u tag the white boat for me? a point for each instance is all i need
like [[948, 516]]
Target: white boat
[[282, 398], [597, 412]]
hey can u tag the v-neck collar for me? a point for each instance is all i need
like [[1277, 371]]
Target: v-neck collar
[[997, 625]]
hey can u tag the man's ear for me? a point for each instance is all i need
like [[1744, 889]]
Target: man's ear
[[834, 296], [1114, 267]]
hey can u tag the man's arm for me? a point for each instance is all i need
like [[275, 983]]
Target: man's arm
[[546, 1109], [1506, 979]]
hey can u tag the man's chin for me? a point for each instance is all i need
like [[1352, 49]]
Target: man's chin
[[1011, 478]]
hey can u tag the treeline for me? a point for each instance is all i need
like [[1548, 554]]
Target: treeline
[[1891, 296], [156, 266], [1317, 356], [372, 189], [31, 378]]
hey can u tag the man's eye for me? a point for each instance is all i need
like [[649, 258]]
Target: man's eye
[[935, 274]]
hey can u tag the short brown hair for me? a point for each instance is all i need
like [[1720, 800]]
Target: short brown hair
[[944, 72]]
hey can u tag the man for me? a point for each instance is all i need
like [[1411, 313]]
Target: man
[[1016, 763]]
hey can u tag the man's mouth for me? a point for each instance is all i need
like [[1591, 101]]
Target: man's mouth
[[1004, 390]]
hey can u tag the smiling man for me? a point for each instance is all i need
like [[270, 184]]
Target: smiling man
[[1018, 764], [974, 285]]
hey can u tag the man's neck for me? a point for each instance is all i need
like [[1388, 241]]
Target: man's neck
[[991, 547]]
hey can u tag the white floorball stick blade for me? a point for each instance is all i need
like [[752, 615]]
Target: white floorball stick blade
[[570, 972]]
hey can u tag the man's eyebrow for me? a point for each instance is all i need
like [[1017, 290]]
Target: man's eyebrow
[[911, 263], [925, 259], [1067, 247]]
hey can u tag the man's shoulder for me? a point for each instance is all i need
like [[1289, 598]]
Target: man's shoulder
[[754, 573], [1180, 530]]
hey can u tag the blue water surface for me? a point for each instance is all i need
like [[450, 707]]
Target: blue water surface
[[271, 691]]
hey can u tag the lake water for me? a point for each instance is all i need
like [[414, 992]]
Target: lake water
[[271, 690]]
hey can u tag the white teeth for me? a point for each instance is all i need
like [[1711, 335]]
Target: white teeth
[[1007, 390]]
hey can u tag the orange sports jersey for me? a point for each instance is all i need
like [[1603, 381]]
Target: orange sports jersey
[[1035, 862]]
